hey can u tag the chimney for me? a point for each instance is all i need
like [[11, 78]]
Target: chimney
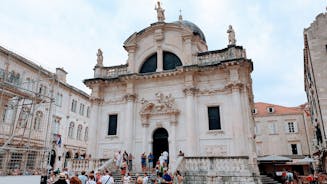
[[61, 74]]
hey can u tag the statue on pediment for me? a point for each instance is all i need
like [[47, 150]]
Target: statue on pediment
[[231, 36], [160, 12], [99, 58]]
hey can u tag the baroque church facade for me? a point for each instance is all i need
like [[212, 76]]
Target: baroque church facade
[[174, 94]]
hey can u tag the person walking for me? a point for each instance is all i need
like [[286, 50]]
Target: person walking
[[150, 161], [143, 162], [130, 161]]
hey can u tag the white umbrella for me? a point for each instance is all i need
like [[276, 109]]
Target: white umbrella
[[306, 160]]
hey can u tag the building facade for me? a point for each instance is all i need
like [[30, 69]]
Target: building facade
[[44, 120], [288, 129], [173, 94], [315, 76]]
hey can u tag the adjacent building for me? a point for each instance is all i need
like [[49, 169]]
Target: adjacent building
[[283, 131], [44, 121], [315, 77]]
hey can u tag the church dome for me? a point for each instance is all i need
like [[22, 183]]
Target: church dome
[[196, 30]]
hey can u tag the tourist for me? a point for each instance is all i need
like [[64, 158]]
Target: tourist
[[290, 178], [145, 178], [106, 178], [150, 160], [143, 162], [181, 154], [179, 177], [123, 168], [62, 179], [166, 176], [139, 179], [82, 177], [67, 178], [127, 178], [98, 177], [130, 161], [125, 156], [166, 157], [75, 180], [161, 160], [118, 158], [91, 179]]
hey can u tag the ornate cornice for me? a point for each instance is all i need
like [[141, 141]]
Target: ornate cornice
[[95, 100], [190, 91], [234, 85], [130, 97]]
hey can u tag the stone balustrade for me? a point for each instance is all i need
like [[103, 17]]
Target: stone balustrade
[[114, 71], [218, 170], [209, 57], [217, 56], [78, 165]]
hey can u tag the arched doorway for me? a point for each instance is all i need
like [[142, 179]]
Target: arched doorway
[[52, 158], [160, 143]]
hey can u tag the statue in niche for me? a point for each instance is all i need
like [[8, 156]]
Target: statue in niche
[[231, 35], [160, 12], [99, 58]]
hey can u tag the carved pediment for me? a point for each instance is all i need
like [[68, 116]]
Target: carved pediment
[[163, 105]]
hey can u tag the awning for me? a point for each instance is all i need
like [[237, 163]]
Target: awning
[[274, 159]]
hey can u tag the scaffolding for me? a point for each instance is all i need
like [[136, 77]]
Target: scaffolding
[[25, 125]]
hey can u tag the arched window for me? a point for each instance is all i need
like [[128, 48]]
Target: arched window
[[150, 65], [86, 135], [79, 132], [71, 129], [170, 61], [37, 120]]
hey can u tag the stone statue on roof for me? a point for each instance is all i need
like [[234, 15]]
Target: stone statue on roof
[[99, 58], [231, 35], [160, 12]]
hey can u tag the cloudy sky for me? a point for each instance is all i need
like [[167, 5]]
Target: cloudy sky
[[67, 34]]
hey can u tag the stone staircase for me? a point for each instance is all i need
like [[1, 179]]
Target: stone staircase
[[268, 180], [119, 179]]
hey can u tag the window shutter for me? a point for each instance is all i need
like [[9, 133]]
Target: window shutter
[[257, 129], [295, 127], [299, 149], [286, 127], [271, 128]]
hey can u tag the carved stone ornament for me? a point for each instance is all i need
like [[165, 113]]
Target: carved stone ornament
[[163, 105]]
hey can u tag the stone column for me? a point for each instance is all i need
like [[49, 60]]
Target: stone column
[[95, 119], [145, 137], [131, 54], [159, 59], [188, 48], [158, 38], [129, 122], [172, 149], [237, 122], [190, 122]]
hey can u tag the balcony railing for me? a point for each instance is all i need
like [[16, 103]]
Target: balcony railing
[[204, 58]]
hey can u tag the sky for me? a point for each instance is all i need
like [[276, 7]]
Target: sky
[[67, 34]]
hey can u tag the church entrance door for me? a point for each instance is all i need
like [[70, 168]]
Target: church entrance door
[[160, 143]]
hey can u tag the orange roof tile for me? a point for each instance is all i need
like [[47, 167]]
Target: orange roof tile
[[261, 109]]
